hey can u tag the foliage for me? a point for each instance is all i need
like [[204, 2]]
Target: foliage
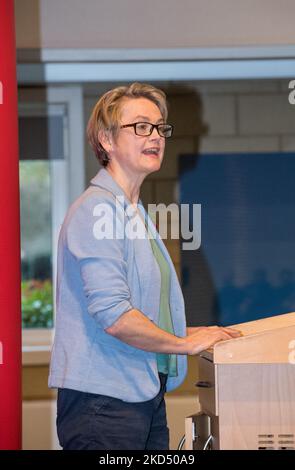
[[37, 304]]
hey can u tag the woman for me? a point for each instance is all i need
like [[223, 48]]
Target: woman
[[121, 339]]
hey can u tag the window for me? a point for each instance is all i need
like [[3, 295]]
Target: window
[[51, 175]]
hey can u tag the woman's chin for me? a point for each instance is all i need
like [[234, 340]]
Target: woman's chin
[[154, 160], [154, 166]]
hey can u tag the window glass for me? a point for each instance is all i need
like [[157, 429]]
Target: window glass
[[36, 243]]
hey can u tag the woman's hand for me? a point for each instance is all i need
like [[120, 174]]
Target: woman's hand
[[200, 338], [193, 329]]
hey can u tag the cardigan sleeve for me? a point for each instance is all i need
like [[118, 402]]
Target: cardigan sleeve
[[94, 238]]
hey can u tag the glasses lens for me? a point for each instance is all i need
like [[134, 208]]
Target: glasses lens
[[143, 128], [165, 130]]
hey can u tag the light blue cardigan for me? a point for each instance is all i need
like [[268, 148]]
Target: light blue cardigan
[[97, 281]]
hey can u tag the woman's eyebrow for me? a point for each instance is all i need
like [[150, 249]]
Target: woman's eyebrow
[[147, 118]]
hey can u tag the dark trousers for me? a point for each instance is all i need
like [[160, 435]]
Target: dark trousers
[[100, 422]]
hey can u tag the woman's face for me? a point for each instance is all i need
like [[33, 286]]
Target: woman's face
[[138, 155]]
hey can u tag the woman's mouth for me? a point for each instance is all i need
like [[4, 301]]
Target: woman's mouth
[[152, 151]]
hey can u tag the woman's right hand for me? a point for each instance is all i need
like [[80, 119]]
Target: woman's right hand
[[206, 337]]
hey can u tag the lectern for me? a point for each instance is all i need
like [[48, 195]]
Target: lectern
[[247, 390]]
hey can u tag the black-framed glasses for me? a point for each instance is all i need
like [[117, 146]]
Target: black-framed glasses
[[146, 129]]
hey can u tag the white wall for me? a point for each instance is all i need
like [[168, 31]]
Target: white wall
[[153, 24]]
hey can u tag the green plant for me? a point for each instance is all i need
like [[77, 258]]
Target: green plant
[[37, 304]]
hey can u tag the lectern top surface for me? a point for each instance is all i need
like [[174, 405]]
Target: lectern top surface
[[266, 341]]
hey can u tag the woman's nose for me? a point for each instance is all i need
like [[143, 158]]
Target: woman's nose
[[155, 134]]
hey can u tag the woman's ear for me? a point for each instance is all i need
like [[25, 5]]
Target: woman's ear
[[105, 140]]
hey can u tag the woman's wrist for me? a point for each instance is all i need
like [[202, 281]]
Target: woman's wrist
[[182, 345]]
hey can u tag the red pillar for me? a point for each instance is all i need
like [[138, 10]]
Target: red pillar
[[10, 307]]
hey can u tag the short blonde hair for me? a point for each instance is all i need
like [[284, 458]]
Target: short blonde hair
[[106, 114]]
